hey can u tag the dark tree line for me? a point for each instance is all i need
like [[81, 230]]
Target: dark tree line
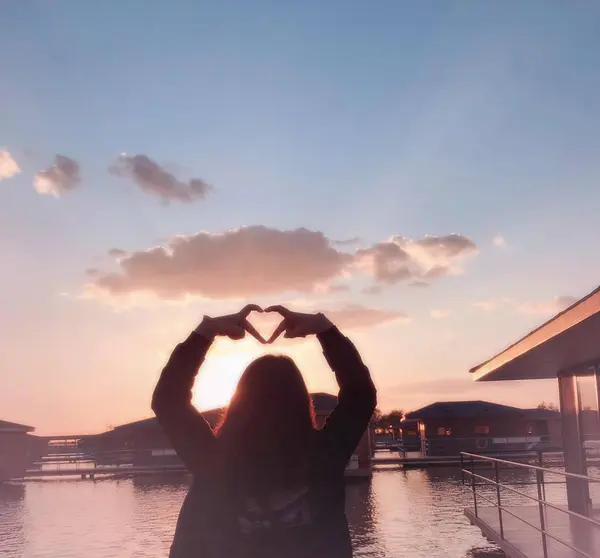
[[387, 420]]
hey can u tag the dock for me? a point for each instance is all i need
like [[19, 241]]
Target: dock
[[416, 460], [539, 529], [94, 472], [522, 537], [87, 466]]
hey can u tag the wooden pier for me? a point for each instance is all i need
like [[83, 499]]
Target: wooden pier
[[94, 472], [415, 460], [86, 466], [520, 535]]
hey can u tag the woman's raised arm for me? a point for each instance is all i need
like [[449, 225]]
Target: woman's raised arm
[[189, 433]]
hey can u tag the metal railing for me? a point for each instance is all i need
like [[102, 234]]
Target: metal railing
[[495, 465]]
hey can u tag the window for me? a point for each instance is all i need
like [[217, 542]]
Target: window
[[529, 429], [444, 431], [482, 430]]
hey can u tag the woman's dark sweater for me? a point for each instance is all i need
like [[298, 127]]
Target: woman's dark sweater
[[309, 523]]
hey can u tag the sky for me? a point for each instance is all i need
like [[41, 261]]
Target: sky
[[424, 173]]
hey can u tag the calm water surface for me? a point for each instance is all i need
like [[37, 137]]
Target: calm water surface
[[417, 514]]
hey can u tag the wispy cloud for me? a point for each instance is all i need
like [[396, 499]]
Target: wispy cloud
[[540, 307], [491, 304], [499, 241], [439, 314], [414, 260], [372, 290], [355, 316], [8, 166], [154, 179], [60, 177], [547, 307], [117, 253], [348, 241]]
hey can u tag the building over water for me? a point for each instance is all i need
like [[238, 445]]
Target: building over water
[[566, 349], [143, 443], [449, 428], [18, 449]]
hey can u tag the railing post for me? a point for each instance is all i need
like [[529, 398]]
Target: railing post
[[540, 482], [462, 467], [473, 486], [541, 464], [499, 503]]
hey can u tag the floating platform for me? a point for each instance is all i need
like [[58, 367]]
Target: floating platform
[[415, 460], [520, 540]]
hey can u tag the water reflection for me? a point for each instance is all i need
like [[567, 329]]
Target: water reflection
[[148, 483], [418, 514], [12, 511], [361, 510]]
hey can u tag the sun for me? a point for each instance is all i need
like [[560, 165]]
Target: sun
[[219, 376]]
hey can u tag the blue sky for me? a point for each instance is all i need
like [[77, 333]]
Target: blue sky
[[358, 121]]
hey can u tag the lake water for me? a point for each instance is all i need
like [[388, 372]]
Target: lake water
[[416, 514]]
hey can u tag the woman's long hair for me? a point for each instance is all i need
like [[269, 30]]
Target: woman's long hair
[[268, 428]]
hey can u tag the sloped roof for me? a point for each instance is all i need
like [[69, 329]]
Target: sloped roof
[[462, 409], [569, 340], [6, 426], [212, 417], [322, 402]]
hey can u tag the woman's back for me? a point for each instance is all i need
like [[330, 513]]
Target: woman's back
[[309, 520], [267, 483]]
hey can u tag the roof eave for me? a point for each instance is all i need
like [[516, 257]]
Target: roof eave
[[495, 369]]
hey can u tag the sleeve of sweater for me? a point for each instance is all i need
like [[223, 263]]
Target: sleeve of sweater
[[190, 435], [357, 396]]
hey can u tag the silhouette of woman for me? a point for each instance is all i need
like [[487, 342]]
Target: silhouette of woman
[[267, 483]]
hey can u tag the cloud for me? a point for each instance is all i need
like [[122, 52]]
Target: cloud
[[156, 180], [542, 307], [372, 290], [346, 317], [357, 317], [499, 241], [59, 178], [348, 241], [245, 262], [491, 304], [8, 166], [403, 259], [418, 283], [337, 288], [257, 260], [117, 253], [439, 314]]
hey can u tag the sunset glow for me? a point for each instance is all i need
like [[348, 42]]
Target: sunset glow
[[219, 377], [431, 186]]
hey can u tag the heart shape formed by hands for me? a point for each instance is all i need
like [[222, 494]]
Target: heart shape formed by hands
[[293, 324], [261, 325], [235, 326]]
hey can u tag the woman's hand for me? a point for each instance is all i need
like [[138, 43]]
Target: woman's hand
[[233, 326], [298, 324]]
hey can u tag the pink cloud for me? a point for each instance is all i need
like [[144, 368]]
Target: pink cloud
[[258, 260], [8, 166], [244, 262], [403, 259]]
